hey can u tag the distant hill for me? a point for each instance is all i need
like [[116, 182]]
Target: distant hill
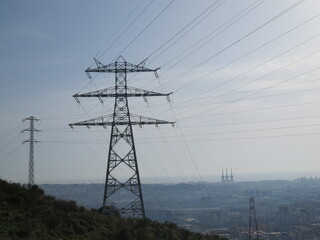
[[26, 213]]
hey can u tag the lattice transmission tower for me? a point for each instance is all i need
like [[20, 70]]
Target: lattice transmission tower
[[121, 194], [253, 230], [31, 142]]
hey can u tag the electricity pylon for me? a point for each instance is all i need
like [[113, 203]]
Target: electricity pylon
[[253, 219], [122, 152], [31, 142]]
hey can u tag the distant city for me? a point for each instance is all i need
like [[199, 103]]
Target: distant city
[[285, 209]]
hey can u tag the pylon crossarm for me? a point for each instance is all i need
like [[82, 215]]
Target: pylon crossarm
[[107, 120], [29, 140], [120, 65], [30, 129], [111, 92], [141, 120], [31, 118]]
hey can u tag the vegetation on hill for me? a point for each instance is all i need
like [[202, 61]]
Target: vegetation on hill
[[26, 213]]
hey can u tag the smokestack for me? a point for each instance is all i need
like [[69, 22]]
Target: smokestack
[[222, 176], [231, 176]]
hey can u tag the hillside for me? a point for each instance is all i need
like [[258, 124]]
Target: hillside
[[26, 213]]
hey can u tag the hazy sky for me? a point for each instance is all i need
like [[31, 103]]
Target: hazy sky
[[245, 76]]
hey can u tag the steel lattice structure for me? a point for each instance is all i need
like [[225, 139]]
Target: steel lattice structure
[[253, 220], [121, 122], [31, 142]]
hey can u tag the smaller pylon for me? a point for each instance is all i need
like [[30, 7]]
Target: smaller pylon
[[31, 142], [253, 233]]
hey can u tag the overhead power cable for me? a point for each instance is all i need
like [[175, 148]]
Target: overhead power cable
[[4, 167], [177, 102], [10, 153], [246, 84], [11, 131], [241, 131], [248, 138], [121, 25], [209, 125], [252, 122], [250, 110], [237, 59], [180, 76], [259, 65], [126, 29], [233, 20], [2, 148], [251, 98], [223, 28], [259, 90], [143, 30], [204, 140], [246, 54], [185, 27]]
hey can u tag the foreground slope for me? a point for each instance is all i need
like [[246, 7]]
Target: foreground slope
[[26, 213]]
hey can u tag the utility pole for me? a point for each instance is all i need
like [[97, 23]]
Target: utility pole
[[122, 195], [31, 142], [253, 220]]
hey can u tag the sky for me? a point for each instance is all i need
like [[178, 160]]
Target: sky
[[245, 77]]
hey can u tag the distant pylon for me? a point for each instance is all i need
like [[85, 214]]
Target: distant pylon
[[31, 142], [253, 220]]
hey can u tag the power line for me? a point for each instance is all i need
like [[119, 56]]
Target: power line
[[185, 27], [212, 125], [180, 76], [121, 25], [259, 78], [11, 131], [253, 92], [72, 116], [145, 28], [244, 11], [237, 17], [13, 160], [251, 110], [243, 131], [203, 140], [263, 45], [242, 56], [10, 153], [251, 122], [125, 30], [9, 142], [248, 53]]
